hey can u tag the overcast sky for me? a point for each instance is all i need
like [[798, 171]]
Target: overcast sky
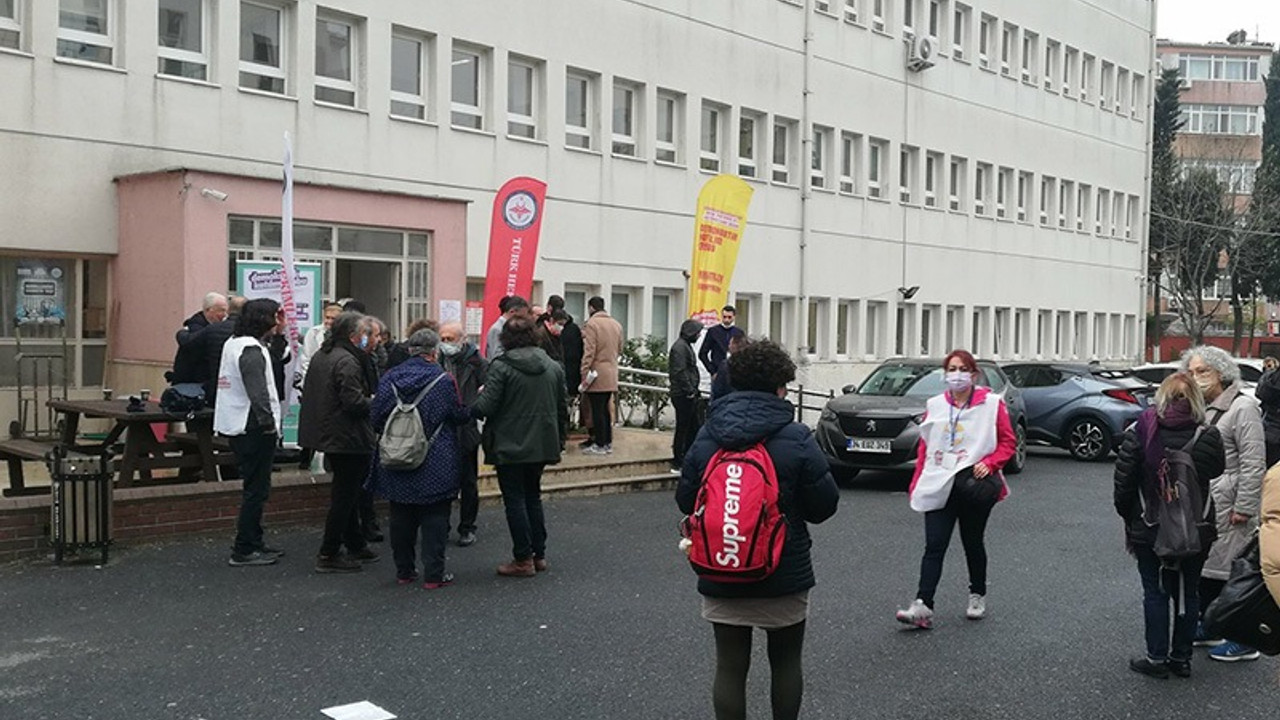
[[1213, 20]]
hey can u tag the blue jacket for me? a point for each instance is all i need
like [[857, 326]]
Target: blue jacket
[[807, 492], [438, 476]]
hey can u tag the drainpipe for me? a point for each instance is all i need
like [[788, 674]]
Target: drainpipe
[[806, 188]]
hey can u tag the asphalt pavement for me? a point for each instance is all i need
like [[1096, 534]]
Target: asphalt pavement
[[612, 630]]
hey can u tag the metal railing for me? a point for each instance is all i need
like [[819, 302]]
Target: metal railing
[[797, 394]]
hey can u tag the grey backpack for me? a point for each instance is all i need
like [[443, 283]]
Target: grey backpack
[[1182, 510], [404, 444]]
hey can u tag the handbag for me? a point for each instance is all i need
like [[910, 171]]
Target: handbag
[[1245, 612], [974, 491], [183, 399]]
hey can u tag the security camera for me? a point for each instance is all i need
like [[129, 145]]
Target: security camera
[[214, 194]]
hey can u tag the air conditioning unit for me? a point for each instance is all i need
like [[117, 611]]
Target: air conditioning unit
[[1184, 84], [921, 53]]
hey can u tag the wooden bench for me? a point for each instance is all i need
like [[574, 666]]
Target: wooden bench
[[222, 454], [15, 451]]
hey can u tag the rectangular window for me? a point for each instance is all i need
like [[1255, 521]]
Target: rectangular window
[[1008, 49], [524, 79], [908, 18], [1070, 66], [11, 24], [1030, 55], [851, 11], [626, 99], [1024, 195], [878, 21], [182, 42], [660, 315], [822, 6], [468, 88], [782, 151], [1106, 86], [1003, 177], [335, 52], [907, 159], [1084, 194], [931, 163], [1122, 90], [579, 110], [1138, 99], [1218, 67], [876, 152], [1130, 212], [750, 125], [960, 33], [935, 18], [1117, 213], [956, 181], [1046, 199], [844, 319], [981, 188], [408, 69], [262, 29], [1088, 68], [850, 161], [1221, 119], [86, 30], [1100, 210], [1052, 50], [1066, 196], [819, 164], [986, 35], [816, 342], [710, 146], [670, 127]]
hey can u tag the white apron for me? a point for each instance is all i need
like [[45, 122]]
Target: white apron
[[954, 438]]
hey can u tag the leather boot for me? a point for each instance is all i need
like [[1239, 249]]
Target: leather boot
[[518, 568]]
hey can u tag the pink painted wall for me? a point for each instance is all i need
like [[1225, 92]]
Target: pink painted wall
[[173, 244]]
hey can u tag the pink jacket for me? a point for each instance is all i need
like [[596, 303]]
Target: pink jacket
[[1006, 441]]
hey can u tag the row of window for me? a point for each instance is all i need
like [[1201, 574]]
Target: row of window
[[1221, 119], [1237, 176], [1001, 46], [1209, 66]]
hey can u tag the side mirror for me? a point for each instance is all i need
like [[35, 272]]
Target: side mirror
[[849, 389]]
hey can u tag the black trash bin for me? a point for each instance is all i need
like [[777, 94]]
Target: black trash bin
[[81, 502]]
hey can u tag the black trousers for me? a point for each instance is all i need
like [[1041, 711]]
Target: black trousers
[[342, 526], [254, 451], [428, 523], [521, 486], [601, 420], [688, 423], [368, 517], [938, 527], [469, 504]]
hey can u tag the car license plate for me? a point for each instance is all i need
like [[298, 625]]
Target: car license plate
[[872, 446]]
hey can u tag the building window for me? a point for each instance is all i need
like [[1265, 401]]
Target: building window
[[1218, 67], [11, 24], [851, 10], [1221, 119], [819, 163], [1122, 90], [579, 105], [750, 127], [182, 42], [850, 152], [1003, 176], [1051, 52], [468, 87], [981, 188], [670, 126], [877, 150], [262, 64], [1024, 195], [1130, 212], [1138, 98], [931, 163], [782, 151], [955, 183], [86, 30], [710, 146], [815, 335], [335, 50], [524, 79], [1087, 71], [1070, 64], [1030, 53], [1100, 210], [986, 35], [822, 6], [935, 18], [1107, 86], [79, 297], [1066, 194], [846, 319], [1046, 199], [909, 18], [1008, 49], [660, 314], [1117, 213], [408, 68], [960, 33], [1083, 195], [1237, 176], [907, 158], [626, 99]]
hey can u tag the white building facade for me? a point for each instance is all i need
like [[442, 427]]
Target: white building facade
[[995, 200]]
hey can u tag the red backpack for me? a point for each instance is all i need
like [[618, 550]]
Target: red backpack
[[737, 530]]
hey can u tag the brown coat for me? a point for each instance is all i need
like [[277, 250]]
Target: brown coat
[[601, 347], [1269, 533]]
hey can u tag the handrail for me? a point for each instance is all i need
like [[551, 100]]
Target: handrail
[[799, 391]]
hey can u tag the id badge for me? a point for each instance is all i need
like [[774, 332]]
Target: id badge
[[950, 460]]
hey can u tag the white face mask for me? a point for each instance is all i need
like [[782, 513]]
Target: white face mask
[[1205, 384], [959, 381], [449, 349]]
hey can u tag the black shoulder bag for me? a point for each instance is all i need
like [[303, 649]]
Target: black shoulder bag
[[1246, 612]]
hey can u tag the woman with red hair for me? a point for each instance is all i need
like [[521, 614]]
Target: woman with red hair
[[965, 440]]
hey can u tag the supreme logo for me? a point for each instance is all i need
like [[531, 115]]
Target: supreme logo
[[732, 535]]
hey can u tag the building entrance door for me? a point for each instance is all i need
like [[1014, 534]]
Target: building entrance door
[[374, 283]]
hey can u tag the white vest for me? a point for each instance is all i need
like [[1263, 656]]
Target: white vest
[[231, 410], [975, 438]]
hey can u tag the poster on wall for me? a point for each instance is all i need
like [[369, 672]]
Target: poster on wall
[[41, 287], [475, 318], [264, 280]]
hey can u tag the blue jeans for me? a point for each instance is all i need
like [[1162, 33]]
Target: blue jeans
[[1181, 587], [521, 486]]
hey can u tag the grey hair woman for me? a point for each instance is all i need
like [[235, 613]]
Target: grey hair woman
[[1212, 357]]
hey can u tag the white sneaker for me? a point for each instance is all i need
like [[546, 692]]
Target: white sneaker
[[918, 615], [593, 450], [977, 607]]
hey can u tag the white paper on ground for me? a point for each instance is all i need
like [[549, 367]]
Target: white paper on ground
[[363, 710]]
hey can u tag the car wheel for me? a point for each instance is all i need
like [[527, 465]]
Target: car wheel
[[1019, 459], [1087, 440], [844, 476]]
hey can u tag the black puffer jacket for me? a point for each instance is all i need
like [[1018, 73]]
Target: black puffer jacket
[[808, 494], [682, 362], [1268, 393], [337, 398], [1132, 478]]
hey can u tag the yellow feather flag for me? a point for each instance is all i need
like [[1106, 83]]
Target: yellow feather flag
[[718, 229]]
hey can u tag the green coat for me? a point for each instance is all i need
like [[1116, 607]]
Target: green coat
[[522, 403]]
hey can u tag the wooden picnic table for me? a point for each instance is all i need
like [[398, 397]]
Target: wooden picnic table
[[143, 451]]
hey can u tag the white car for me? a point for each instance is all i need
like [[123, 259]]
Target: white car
[[1155, 373]]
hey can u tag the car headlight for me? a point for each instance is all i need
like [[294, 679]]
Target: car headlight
[[828, 414]]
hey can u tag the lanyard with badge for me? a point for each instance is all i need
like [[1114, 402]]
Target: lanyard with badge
[[951, 458]]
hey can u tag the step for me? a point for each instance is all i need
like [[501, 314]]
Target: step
[[664, 481], [601, 471]]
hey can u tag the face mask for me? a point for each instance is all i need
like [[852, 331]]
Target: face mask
[[1204, 384], [959, 381], [449, 349], [555, 329], [364, 342]]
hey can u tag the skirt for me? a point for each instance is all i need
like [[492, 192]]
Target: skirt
[[766, 613]]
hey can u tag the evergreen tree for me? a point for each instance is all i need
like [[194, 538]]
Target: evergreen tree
[[1163, 231], [1264, 207]]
